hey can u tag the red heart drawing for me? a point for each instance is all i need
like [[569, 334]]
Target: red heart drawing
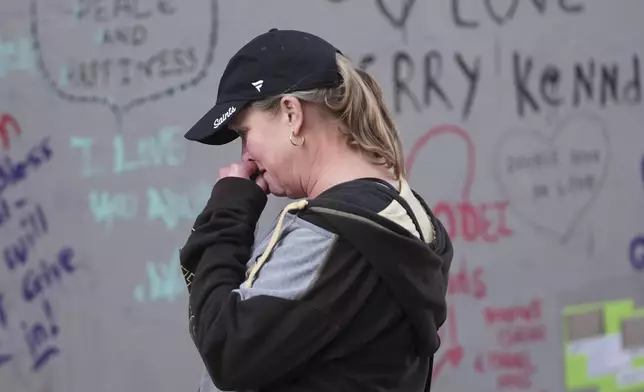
[[552, 181], [442, 130], [8, 123]]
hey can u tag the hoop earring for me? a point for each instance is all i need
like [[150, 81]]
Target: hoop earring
[[290, 138]]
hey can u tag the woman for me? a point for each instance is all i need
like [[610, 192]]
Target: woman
[[348, 291]]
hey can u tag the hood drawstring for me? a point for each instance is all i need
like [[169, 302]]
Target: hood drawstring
[[295, 206]]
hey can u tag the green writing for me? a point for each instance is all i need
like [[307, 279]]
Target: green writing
[[163, 205], [16, 55], [162, 149], [164, 282], [107, 208]]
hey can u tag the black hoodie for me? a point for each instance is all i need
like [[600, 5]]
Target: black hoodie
[[345, 294]]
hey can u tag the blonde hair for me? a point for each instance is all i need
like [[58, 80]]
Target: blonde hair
[[358, 103]]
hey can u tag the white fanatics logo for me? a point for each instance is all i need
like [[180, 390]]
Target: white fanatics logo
[[224, 117]]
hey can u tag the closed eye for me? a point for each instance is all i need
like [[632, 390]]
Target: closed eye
[[241, 132]]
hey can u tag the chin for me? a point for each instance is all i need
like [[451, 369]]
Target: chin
[[276, 191]]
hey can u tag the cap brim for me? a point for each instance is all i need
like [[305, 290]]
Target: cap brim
[[213, 127]]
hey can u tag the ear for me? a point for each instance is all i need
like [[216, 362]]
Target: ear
[[293, 113]]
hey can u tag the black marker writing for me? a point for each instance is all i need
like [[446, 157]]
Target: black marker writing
[[471, 14], [144, 71], [591, 81], [108, 10], [404, 71]]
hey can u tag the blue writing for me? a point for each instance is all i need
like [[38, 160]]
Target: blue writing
[[36, 281], [636, 253], [16, 55], [40, 339], [33, 227], [164, 282], [107, 208], [4, 357], [12, 173], [636, 249], [152, 151], [3, 313], [642, 170], [5, 212]]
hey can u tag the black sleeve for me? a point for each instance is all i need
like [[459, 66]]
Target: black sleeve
[[251, 342]]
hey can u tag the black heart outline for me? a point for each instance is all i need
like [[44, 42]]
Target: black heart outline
[[509, 13], [120, 110], [398, 23], [551, 140]]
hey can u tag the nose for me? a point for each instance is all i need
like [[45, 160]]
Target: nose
[[245, 155]]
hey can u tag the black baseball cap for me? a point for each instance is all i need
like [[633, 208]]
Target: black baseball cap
[[273, 63]]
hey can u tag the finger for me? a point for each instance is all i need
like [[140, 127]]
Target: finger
[[261, 182], [251, 167], [239, 170]]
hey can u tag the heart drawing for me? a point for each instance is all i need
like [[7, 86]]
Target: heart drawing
[[396, 11], [124, 55], [552, 181], [510, 9], [446, 130]]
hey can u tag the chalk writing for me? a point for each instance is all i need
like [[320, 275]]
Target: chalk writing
[[552, 181], [590, 81], [636, 253], [421, 83], [466, 283], [107, 208], [521, 335], [139, 71], [33, 227], [9, 129], [5, 356], [40, 338], [14, 172], [636, 247], [521, 325], [162, 149], [452, 352], [16, 55], [5, 211], [470, 14], [37, 280], [164, 282], [110, 10], [516, 369], [465, 219], [397, 18], [24, 225], [434, 90], [513, 314], [165, 205]]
